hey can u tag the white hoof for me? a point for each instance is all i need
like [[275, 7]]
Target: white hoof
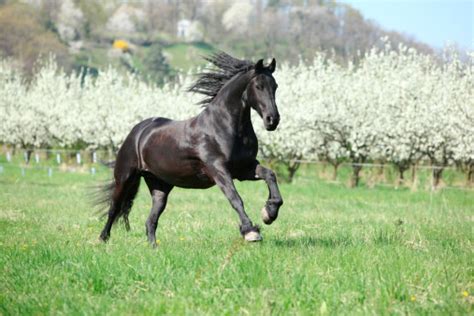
[[265, 217], [253, 236]]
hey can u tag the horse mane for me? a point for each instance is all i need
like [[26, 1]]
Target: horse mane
[[210, 82]]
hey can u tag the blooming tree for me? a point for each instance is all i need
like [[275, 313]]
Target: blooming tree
[[394, 106]]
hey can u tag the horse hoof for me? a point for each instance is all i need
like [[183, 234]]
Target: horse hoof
[[253, 236], [265, 217], [103, 238]]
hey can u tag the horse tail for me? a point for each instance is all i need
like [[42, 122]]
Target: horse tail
[[102, 193], [117, 197], [102, 196]]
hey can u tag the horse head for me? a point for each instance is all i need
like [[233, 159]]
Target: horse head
[[260, 94]]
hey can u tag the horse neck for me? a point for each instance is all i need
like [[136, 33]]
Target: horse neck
[[229, 100]]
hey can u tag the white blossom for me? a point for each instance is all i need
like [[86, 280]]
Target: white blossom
[[394, 106]]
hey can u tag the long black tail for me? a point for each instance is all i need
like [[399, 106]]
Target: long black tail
[[102, 194], [118, 198]]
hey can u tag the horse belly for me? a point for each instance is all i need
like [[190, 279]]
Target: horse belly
[[191, 182], [184, 178], [169, 165]]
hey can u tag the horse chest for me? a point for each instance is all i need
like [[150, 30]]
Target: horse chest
[[244, 149]]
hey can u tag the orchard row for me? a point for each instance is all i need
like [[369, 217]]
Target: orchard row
[[399, 107]]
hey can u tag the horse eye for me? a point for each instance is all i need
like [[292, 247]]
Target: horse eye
[[259, 87]]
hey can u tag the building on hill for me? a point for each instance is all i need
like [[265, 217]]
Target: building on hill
[[189, 31], [183, 28]]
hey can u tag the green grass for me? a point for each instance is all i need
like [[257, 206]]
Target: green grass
[[183, 56], [333, 250]]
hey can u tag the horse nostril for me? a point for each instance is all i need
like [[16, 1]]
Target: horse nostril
[[268, 119]]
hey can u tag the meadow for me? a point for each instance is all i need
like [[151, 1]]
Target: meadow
[[333, 250]]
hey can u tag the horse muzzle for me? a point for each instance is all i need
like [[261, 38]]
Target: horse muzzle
[[271, 122]]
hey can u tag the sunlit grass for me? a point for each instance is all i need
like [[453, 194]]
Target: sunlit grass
[[187, 56], [333, 250]]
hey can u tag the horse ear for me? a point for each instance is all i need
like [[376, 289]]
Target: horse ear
[[259, 66], [272, 65]]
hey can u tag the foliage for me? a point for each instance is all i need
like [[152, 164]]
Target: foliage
[[186, 56], [283, 29], [395, 106], [156, 68], [24, 36], [95, 17], [70, 21]]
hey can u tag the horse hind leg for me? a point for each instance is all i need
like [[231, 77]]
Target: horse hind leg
[[128, 202], [129, 197], [159, 191], [122, 196], [113, 211]]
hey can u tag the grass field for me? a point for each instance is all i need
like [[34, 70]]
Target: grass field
[[333, 250], [183, 56]]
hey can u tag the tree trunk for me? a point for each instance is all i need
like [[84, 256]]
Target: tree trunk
[[470, 175], [29, 152], [321, 170], [292, 168], [93, 156], [401, 172], [401, 178], [334, 171], [381, 171], [71, 158], [413, 173], [355, 175], [414, 183], [437, 174], [110, 153]]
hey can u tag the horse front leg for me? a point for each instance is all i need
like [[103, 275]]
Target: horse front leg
[[223, 179], [274, 201]]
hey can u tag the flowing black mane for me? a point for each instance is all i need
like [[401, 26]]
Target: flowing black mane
[[210, 82]]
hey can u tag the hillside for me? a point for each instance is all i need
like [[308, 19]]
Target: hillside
[[157, 39]]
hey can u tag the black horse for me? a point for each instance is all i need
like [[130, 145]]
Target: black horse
[[214, 147]]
